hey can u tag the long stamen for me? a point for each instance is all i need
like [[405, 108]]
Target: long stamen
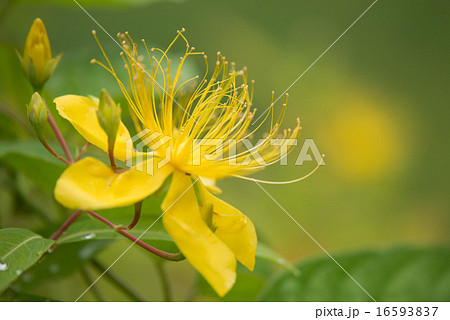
[[218, 108], [283, 182]]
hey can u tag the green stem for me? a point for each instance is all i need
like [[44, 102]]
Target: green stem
[[88, 279], [119, 283], [167, 294]]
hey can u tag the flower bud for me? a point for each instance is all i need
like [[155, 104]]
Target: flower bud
[[37, 62], [37, 113], [108, 115]]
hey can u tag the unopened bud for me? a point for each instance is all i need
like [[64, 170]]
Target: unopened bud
[[108, 115], [37, 62], [37, 113]]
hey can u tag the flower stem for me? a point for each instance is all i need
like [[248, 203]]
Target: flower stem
[[60, 137], [112, 160], [66, 225], [162, 254], [56, 130], [119, 283], [53, 152], [83, 151], [137, 215], [167, 295]]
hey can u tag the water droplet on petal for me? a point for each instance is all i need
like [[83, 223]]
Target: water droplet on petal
[[3, 267], [89, 236]]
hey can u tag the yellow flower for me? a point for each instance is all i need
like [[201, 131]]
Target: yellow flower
[[37, 62], [209, 232]]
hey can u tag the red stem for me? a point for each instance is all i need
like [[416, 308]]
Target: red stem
[[137, 215], [111, 156], [66, 224], [53, 152], [60, 137], [83, 151], [165, 255]]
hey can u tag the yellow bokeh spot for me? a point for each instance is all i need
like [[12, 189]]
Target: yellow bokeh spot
[[364, 138]]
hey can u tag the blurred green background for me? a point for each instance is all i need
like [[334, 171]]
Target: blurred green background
[[377, 104]]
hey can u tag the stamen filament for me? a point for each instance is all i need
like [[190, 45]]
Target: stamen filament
[[282, 182]]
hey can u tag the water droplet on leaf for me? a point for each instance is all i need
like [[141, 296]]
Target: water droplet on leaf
[[53, 268], [27, 277]]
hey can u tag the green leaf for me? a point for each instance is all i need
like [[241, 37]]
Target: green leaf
[[13, 296], [64, 261], [249, 283], [19, 250], [31, 159], [247, 287], [401, 274], [110, 2], [264, 252], [89, 228], [36, 199]]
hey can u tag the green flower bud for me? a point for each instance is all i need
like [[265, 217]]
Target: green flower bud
[[108, 115], [37, 113], [37, 62]]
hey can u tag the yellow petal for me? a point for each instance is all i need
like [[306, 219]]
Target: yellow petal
[[81, 112], [211, 185], [38, 36], [90, 184], [236, 230], [182, 220]]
